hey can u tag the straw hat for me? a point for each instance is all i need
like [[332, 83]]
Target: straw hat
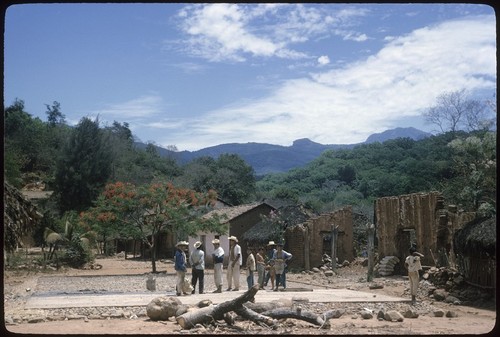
[[233, 238], [271, 243], [197, 244], [182, 243], [216, 242]]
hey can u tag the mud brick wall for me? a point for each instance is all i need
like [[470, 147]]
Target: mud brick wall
[[422, 212], [317, 227], [295, 240]]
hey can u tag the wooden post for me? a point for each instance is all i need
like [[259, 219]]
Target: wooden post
[[371, 239], [307, 262], [334, 246]]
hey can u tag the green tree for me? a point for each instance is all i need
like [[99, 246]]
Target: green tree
[[475, 164], [84, 167], [54, 114], [147, 210]]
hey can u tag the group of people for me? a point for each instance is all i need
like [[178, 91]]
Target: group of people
[[269, 266]]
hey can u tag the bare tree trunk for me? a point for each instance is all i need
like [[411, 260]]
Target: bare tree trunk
[[256, 317], [216, 312], [307, 316]]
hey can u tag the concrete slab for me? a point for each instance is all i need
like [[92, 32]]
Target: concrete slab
[[142, 299]]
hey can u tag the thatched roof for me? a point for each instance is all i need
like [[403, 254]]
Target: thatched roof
[[19, 216], [479, 235]]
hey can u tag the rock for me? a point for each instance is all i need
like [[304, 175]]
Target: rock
[[440, 294], [315, 270], [438, 313], [410, 314], [337, 313], [37, 319], [161, 308], [204, 303], [452, 299], [366, 314], [451, 314], [380, 315], [329, 273], [376, 286], [393, 316]]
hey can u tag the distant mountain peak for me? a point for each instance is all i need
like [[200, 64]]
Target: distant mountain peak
[[303, 142], [267, 158], [409, 132]]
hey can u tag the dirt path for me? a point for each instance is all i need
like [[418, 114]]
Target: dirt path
[[469, 321]]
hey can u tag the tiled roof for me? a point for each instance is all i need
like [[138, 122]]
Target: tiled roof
[[229, 213]]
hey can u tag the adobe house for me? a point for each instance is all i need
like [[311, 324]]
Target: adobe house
[[475, 245], [418, 218], [239, 220], [307, 242]]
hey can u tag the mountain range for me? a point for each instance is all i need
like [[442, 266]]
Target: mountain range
[[267, 158]]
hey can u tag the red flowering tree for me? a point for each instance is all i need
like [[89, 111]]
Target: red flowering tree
[[147, 210]]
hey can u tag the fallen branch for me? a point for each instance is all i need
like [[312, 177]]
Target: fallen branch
[[255, 317], [215, 312], [307, 316]]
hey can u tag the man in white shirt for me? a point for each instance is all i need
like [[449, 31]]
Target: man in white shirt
[[412, 263], [233, 267], [218, 258]]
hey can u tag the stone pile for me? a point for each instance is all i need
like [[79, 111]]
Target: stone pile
[[448, 285], [386, 265]]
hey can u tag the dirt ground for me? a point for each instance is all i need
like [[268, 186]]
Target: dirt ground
[[470, 320]]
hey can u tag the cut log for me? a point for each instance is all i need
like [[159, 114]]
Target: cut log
[[216, 312]]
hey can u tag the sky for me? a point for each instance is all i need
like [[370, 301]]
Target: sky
[[195, 75]]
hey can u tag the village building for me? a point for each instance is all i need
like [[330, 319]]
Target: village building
[[420, 219], [239, 219]]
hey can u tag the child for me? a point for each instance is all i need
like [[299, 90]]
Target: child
[[261, 267], [250, 268], [412, 264]]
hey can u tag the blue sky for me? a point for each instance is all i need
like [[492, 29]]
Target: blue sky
[[194, 75]]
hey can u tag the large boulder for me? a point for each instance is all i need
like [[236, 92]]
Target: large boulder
[[161, 308]]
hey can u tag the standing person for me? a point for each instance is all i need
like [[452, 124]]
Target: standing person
[[269, 264], [197, 261], [250, 268], [233, 267], [412, 264], [280, 258], [180, 265], [261, 267], [218, 258]]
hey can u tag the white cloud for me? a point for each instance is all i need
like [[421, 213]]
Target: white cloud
[[348, 104], [141, 107], [323, 60], [219, 32]]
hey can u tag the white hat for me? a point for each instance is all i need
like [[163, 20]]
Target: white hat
[[215, 241], [182, 243], [197, 244], [271, 243], [233, 238]]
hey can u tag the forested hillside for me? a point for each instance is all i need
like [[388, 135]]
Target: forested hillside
[[87, 164]]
